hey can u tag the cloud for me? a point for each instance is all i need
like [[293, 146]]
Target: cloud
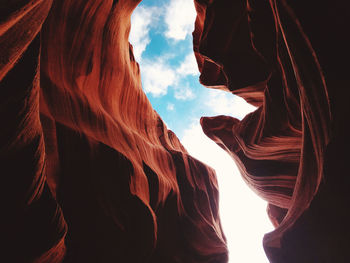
[[179, 18], [225, 103], [157, 76], [142, 19], [188, 66], [160, 74], [170, 107], [183, 92]]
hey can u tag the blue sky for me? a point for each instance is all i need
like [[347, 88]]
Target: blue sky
[[161, 34]]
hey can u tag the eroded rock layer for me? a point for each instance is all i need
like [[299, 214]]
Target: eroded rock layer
[[90, 173], [287, 58]]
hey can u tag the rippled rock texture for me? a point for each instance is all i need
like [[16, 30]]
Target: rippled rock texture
[[89, 171], [288, 58]]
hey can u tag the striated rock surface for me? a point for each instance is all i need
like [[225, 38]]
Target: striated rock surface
[[90, 173], [289, 59]]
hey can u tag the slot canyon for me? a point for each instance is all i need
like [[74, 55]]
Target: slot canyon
[[91, 172]]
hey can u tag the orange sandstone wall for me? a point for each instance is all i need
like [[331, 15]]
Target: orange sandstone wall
[[90, 173], [289, 59]]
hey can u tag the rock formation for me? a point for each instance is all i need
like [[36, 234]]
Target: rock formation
[[287, 58], [90, 173]]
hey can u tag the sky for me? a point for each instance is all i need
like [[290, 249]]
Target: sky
[[161, 35]]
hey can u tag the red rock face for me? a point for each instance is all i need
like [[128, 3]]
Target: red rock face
[[90, 173], [285, 57]]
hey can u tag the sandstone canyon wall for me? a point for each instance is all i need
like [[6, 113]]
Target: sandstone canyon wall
[[288, 58], [90, 173]]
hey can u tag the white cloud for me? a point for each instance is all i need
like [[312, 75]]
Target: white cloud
[[179, 18], [243, 214], [183, 92], [141, 21], [157, 76], [170, 107], [225, 103], [188, 66]]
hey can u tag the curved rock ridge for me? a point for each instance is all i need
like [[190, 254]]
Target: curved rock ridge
[[90, 172], [283, 58]]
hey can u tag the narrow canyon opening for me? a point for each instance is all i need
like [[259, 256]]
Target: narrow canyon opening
[[161, 35]]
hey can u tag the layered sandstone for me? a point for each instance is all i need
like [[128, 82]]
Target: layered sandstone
[[90, 173], [287, 58]]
